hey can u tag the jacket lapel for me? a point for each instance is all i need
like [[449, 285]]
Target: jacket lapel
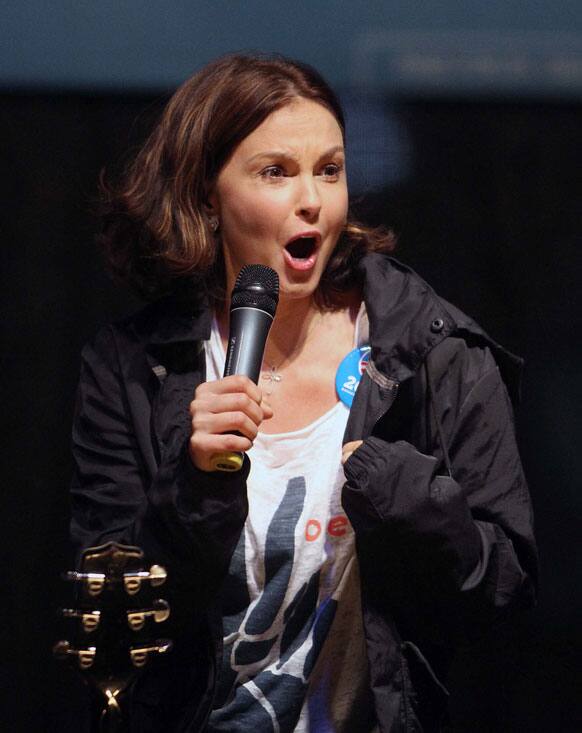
[[406, 320]]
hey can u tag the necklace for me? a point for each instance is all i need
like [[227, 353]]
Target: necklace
[[273, 376]]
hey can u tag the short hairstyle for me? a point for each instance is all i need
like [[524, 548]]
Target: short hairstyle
[[156, 234]]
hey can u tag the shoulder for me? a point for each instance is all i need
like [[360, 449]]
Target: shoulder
[[413, 325], [160, 325], [117, 337]]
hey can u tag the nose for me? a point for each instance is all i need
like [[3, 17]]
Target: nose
[[308, 198]]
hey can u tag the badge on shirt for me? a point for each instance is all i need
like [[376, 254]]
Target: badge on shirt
[[350, 372]]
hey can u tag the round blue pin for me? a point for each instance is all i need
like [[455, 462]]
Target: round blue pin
[[349, 373]]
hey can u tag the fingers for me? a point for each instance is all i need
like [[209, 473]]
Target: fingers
[[204, 445], [226, 416], [214, 405], [225, 422], [215, 396], [234, 383], [349, 448]]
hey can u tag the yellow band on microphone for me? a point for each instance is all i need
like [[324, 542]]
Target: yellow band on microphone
[[227, 461]]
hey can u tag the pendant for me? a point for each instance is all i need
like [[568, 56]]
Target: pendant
[[272, 377]]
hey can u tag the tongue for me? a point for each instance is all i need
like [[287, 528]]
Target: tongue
[[300, 249]]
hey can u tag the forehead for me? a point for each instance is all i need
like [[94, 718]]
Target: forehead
[[298, 124]]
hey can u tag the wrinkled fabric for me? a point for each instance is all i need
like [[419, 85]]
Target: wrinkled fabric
[[436, 493]]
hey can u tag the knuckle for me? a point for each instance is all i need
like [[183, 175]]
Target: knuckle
[[242, 400], [239, 419], [195, 443], [199, 390], [232, 443], [246, 385], [238, 381], [196, 423]]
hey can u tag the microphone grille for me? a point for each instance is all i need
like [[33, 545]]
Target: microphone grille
[[257, 286]]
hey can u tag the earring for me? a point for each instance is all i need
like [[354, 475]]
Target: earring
[[213, 221]]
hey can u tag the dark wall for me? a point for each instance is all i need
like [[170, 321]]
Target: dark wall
[[489, 213]]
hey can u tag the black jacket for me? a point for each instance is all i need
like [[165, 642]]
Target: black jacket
[[436, 493]]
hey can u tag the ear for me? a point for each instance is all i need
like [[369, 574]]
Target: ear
[[211, 206], [211, 211]]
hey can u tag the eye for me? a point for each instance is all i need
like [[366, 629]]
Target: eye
[[332, 171], [273, 171]]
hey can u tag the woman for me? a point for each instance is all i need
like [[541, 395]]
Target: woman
[[326, 584]]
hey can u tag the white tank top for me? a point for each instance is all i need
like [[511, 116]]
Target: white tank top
[[294, 655]]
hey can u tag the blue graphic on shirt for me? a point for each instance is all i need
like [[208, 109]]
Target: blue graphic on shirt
[[279, 556], [250, 698], [299, 620]]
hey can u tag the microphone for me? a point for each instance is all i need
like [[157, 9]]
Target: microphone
[[252, 308]]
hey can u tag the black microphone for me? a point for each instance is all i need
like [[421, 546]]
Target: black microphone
[[252, 308]]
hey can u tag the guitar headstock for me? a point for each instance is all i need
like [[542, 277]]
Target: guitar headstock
[[115, 617]]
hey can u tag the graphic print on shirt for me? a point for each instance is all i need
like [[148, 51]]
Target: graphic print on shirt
[[271, 644]]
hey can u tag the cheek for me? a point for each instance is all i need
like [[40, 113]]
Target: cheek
[[338, 209], [251, 213]]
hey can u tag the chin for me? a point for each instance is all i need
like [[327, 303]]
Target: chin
[[297, 291]]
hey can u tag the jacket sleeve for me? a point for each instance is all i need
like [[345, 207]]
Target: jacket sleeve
[[464, 539], [187, 519]]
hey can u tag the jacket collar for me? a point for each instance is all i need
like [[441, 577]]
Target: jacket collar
[[172, 330], [172, 321], [400, 307], [407, 319]]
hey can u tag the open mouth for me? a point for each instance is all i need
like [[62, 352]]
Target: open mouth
[[301, 248]]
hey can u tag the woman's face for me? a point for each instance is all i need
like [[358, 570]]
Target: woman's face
[[282, 197]]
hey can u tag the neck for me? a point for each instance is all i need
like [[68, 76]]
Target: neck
[[299, 325], [294, 324], [291, 329]]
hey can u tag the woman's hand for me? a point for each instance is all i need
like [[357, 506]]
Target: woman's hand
[[349, 448], [219, 411], [424, 517]]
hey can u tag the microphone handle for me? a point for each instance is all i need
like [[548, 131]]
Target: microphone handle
[[249, 328]]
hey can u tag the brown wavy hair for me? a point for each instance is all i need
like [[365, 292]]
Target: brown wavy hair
[[156, 235]]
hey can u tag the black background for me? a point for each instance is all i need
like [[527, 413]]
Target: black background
[[490, 216]]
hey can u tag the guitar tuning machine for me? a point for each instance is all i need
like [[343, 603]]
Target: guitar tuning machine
[[132, 581], [160, 612], [85, 657], [95, 582], [89, 619], [140, 655]]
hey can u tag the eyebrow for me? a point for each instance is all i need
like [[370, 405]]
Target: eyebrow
[[290, 156]]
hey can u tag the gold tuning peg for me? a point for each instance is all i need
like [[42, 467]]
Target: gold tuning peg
[[158, 575], [94, 581], [132, 581], [140, 655], [160, 611], [85, 657], [89, 619]]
